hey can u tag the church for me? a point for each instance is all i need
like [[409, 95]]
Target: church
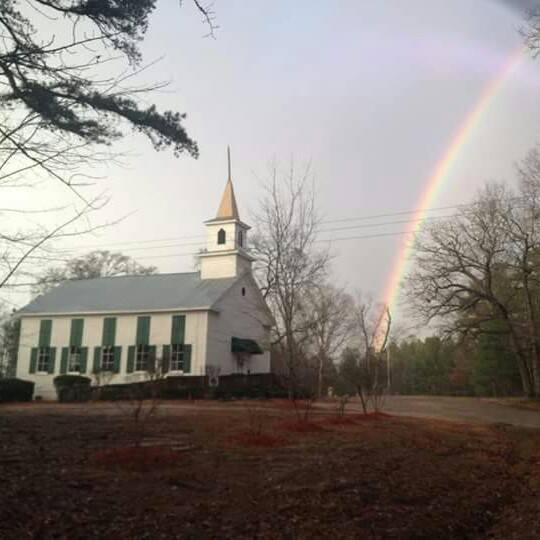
[[214, 320]]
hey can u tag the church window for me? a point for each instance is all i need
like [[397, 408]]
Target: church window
[[221, 236], [107, 358], [240, 238], [44, 358], [177, 357], [243, 291], [74, 359], [142, 358]]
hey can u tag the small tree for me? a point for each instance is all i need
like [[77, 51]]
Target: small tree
[[289, 266], [329, 320], [363, 367], [143, 400]]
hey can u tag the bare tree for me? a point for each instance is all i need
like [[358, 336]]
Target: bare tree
[[330, 321], [67, 93], [521, 223], [364, 365], [459, 274], [95, 264], [144, 398], [483, 266], [288, 264]]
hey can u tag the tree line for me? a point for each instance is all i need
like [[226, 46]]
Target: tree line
[[476, 275]]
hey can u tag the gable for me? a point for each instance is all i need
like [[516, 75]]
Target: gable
[[253, 299]]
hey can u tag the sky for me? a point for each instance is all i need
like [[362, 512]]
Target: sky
[[369, 94]]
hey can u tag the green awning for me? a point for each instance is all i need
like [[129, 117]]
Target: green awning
[[240, 345]]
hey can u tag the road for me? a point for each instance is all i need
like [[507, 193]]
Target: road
[[461, 409]]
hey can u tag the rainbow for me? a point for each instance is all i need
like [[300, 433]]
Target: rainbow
[[442, 172]]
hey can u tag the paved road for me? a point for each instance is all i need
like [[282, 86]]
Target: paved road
[[462, 409]]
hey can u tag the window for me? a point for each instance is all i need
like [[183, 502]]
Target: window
[[44, 358], [221, 236], [107, 358], [240, 238], [243, 291], [74, 359], [142, 355], [177, 358]]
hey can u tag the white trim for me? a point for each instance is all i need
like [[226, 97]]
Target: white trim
[[125, 312], [226, 252], [218, 221]]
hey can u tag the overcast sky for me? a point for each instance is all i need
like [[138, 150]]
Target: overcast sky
[[369, 92]]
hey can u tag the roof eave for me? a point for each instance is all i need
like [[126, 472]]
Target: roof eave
[[111, 312]]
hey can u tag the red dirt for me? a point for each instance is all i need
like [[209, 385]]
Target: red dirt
[[137, 458], [251, 439], [339, 421], [377, 415], [300, 426], [64, 475], [352, 419]]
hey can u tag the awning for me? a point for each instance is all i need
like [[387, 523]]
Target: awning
[[240, 345]]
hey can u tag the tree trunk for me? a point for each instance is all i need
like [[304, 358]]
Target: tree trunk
[[524, 371], [523, 365], [320, 378], [533, 337], [362, 399]]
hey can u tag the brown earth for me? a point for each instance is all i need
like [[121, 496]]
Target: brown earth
[[252, 470]]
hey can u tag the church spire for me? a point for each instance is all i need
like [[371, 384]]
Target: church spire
[[228, 208], [229, 163]]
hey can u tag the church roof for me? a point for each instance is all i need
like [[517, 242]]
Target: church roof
[[119, 294]]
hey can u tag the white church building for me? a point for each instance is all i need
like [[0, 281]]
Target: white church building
[[214, 319]]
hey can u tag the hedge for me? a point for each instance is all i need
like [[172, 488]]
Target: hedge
[[12, 389], [71, 388], [248, 392]]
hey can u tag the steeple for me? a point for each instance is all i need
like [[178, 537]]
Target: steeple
[[226, 252], [228, 208]]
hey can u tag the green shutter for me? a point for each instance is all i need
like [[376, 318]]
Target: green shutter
[[143, 331], [84, 359], [45, 329], [178, 329], [76, 334], [52, 358], [97, 359], [166, 358], [187, 358], [130, 359], [117, 359], [151, 359], [33, 360], [109, 331], [64, 360]]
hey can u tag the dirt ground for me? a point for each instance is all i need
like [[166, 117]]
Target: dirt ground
[[252, 470], [515, 411]]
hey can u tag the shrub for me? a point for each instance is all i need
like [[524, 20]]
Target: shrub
[[248, 392], [71, 388], [176, 392], [13, 389]]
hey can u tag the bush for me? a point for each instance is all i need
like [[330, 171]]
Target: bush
[[71, 388], [176, 392], [248, 392], [12, 389]]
